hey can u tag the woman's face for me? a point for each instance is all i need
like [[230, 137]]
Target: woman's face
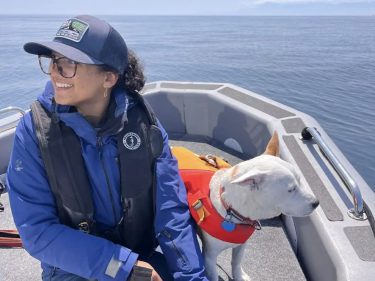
[[84, 90]]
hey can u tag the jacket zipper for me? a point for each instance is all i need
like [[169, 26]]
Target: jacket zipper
[[169, 236], [99, 145]]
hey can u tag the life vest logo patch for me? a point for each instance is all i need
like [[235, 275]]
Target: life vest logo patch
[[131, 141]]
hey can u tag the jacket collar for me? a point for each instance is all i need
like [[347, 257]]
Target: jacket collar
[[112, 123]]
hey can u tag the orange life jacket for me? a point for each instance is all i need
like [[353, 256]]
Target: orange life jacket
[[196, 174]]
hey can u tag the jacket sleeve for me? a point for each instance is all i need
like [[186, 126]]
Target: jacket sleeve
[[173, 224], [35, 216]]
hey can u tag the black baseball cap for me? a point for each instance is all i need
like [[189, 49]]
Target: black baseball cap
[[86, 39]]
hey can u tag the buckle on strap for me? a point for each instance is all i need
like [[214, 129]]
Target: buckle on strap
[[84, 226], [201, 210], [197, 204]]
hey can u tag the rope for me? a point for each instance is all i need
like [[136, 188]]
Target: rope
[[226, 273]]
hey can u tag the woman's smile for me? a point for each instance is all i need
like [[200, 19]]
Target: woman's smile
[[63, 85]]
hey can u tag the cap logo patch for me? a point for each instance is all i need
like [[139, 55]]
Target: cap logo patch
[[73, 29], [131, 141]]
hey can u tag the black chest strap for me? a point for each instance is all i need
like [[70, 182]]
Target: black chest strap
[[59, 147], [139, 144]]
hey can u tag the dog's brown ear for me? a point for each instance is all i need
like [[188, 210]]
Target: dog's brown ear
[[273, 145]]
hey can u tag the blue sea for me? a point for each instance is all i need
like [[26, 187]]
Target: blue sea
[[323, 66]]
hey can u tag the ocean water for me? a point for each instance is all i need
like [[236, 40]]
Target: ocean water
[[323, 66]]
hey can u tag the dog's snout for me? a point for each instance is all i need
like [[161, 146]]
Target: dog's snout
[[315, 203]]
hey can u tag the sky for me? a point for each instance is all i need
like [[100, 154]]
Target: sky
[[189, 7]]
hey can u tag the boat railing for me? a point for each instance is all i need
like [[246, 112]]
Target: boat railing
[[12, 108], [358, 211], [10, 117]]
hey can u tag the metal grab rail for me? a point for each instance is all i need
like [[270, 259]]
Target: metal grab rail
[[12, 108], [358, 212]]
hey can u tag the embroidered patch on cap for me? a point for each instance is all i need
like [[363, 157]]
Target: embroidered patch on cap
[[72, 29]]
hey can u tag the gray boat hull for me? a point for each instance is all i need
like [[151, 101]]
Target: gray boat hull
[[235, 123]]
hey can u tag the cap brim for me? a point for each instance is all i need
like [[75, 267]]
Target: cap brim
[[45, 48]]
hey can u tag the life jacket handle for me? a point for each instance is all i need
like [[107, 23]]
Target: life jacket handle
[[214, 161]]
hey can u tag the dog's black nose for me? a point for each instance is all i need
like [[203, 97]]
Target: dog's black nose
[[315, 204]]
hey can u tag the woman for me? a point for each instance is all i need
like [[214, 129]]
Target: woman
[[91, 179]]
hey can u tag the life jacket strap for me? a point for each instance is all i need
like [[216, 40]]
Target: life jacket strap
[[201, 211], [58, 145]]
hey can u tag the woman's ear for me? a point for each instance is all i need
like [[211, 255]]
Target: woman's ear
[[110, 79]]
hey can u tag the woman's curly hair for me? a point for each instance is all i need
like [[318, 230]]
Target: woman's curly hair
[[133, 79]]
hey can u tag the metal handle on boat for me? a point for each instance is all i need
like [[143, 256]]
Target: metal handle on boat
[[12, 108], [358, 212]]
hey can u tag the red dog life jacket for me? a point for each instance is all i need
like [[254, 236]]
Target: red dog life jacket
[[196, 174]]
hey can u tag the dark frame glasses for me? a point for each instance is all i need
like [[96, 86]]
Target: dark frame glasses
[[66, 67]]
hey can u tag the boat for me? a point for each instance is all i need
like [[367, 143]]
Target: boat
[[336, 242]]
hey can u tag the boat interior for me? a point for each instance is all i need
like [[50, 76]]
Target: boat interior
[[336, 242]]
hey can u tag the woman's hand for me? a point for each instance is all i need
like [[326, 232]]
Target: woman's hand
[[155, 276]]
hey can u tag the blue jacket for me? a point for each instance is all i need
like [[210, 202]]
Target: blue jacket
[[58, 246]]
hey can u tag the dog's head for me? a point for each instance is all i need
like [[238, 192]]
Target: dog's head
[[266, 186]]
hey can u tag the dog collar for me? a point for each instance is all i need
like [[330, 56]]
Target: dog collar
[[233, 213]]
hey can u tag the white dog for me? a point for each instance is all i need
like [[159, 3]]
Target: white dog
[[261, 188]]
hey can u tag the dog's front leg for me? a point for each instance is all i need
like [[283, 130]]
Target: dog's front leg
[[210, 258], [237, 272]]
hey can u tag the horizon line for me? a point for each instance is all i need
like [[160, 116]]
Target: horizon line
[[201, 15]]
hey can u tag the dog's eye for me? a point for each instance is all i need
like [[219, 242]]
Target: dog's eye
[[292, 189]]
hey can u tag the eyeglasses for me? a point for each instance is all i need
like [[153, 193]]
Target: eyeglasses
[[66, 67]]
